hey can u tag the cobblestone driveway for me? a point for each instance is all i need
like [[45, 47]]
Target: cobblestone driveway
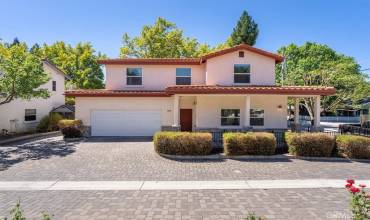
[[196, 204], [53, 159]]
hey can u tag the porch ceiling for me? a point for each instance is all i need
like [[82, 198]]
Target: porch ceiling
[[272, 90]]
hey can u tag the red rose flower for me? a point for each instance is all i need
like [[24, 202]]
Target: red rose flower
[[348, 185], [354, 189], [350, 181]]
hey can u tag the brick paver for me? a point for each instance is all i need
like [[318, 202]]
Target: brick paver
[[53, 159], [182, 204]]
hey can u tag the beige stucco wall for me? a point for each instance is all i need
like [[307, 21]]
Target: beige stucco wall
[[220, 69], [155, 77], [208, 110], [85, 105], [15, 110]]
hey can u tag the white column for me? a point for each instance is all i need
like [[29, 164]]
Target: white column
[[317, 112], [296, 111], [176, 110], [247, 111]]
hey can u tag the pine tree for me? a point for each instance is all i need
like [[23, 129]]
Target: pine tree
[[245, 32]]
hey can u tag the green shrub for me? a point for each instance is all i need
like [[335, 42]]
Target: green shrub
[[68, 123], [310, 144], [183, 143], [49, 123], [353, 146], [251, 143], [71, 132]]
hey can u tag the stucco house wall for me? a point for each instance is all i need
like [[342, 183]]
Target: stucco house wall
[[15, 110]]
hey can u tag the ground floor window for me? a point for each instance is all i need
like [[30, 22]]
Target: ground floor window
[[230, 117], [257, 117], [30, 115]]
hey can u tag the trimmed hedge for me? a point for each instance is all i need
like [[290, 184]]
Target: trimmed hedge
[[352, 146], [183, 143], [310, 144], [251, 143], [69, 123]]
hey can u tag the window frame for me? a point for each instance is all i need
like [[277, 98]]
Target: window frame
[[28, 115], [183, 76], [246, 74], [263, 116], [54, 86], [235, 117], [127, 77], [241, 54]]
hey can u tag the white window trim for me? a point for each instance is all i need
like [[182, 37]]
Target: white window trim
[[142, 77], [250, 70], [191, 74], [250, 117], [230, 126]]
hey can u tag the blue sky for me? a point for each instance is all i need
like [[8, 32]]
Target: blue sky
[[342, 24]]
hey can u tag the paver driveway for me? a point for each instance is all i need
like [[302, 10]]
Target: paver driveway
[[53, 159]]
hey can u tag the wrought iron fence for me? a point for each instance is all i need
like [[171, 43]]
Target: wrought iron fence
[[352, 129]]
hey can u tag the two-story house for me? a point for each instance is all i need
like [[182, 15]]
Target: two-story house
[[24, 115], [227, 89]]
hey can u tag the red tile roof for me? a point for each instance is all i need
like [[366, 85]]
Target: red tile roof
[[190, 61], [287, 90], [114, 93], [204, 89]]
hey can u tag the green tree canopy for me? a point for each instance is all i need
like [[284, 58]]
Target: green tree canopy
[[245, 32], [79, 62], [21, 73], [163, 40], [314, 64]]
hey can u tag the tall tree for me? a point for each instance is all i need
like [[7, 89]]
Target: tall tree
[[21, 74], [245, 32], [315, 64], [79, 62], [163, 40]]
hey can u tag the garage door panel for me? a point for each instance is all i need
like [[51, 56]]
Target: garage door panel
[[125, 123]]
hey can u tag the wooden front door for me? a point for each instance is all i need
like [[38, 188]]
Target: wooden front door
[[186, 119]]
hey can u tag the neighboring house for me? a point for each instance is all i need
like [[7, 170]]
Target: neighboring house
[[22, 115], [229, 89]]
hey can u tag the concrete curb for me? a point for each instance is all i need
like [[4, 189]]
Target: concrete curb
[[258, 157], [30, 136]]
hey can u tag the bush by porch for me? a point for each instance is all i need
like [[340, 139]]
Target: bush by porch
[[310, 144], [352, 146], [251, 143], [183, 143]]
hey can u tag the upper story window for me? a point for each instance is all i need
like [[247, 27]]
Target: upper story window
[[183, 76], [241, 53], [134, 76], [30, 115], [242, 73], [54, 85]]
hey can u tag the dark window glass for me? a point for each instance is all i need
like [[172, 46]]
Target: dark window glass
[[256, 121], [257, 117], [183, 80], [230, 117], [134, 72], [183, 72], [241, 53], [242, 78], [30, 115], [242, 68], [54, 86], [134, 80]]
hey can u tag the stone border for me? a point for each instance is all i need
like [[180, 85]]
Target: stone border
[[256, 157], [30, 136], [73, 139]]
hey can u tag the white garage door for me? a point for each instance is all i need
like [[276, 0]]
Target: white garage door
[[125, 123]]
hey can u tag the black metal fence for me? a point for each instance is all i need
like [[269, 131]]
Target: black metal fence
[[352, 129]]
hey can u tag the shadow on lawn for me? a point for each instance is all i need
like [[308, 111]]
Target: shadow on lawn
[[13, 154]]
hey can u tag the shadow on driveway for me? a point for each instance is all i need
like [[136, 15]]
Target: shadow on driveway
[[13, 154]]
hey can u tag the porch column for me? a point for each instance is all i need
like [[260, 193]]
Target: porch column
[[317, 112], [296, 111], [247, 111], [176, 111]]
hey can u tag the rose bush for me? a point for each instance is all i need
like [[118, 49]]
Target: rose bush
[[360, 200]]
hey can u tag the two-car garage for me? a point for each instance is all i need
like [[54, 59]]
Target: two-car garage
[[125, 122]]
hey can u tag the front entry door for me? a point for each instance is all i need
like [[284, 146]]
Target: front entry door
[[186, 119]]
